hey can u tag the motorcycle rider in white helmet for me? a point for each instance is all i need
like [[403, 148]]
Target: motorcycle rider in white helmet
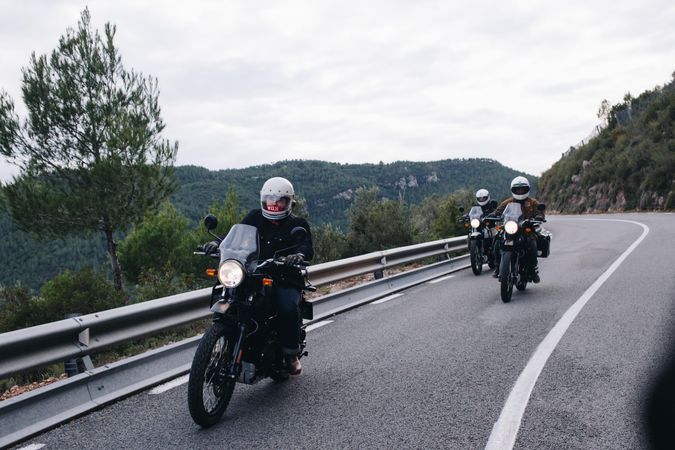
[[274, 221], [483, 200], [520, 192]]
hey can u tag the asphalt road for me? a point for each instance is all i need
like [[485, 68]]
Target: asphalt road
[[433, 367]]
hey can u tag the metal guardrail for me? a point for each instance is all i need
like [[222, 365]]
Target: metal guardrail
[[26, 415], [42, 345]]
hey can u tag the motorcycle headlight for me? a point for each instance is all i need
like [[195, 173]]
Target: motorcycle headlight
[[475, 223], [230, 273], [511, 227]]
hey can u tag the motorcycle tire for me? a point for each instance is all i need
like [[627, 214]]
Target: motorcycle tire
[[505, 277], [209, 389], [476, 257]]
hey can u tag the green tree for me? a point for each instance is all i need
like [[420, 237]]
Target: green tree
[[329, 243], [377, 224], [81, 292], [228, 212], [89, 152], [159, 242], [17, 308]]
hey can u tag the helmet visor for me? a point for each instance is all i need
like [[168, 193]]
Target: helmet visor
[[520, 190], [275, 204], [482, 199]]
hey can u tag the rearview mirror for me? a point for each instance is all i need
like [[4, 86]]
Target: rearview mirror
[[210, 222], [541, 206], [298, 234], [461, 210]]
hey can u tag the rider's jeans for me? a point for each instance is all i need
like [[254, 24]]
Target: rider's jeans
[[287, 300]]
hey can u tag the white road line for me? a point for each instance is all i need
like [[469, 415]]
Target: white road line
[[386, 299], [32, 447], [314, 326], [170, 385], [505, 430], [438, 280]]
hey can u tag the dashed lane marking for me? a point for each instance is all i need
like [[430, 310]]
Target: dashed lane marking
[[32, 447], [438, 280], [184, 379], [386, 299], [170, 385], [314, 326]]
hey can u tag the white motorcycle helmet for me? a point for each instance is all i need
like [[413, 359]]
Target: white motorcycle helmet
[[276, 198], [482, 197], [520, 188]]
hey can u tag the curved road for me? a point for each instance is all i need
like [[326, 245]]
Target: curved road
[[433, 368]]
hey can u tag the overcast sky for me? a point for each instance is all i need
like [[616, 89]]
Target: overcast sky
[[251, 82]]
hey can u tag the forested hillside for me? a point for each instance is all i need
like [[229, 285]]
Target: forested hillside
[[630, 164], [327, 188]]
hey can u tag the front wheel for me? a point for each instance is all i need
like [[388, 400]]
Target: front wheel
[[506, 277], [209, 388], [476, 257]]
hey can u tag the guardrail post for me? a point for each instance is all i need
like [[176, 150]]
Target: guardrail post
[[72, 365]]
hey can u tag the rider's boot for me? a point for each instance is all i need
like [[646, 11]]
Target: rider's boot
[[293, 364], [535, 275]]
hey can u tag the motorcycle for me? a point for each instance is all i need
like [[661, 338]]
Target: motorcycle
[[514, 236], [242, 344], [480, 238]]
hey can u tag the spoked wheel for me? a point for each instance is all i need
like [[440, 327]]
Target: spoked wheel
[[506, 277], [476, 257], [209, 388]]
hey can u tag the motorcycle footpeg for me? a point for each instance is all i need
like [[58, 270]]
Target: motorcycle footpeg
[[303, 354]]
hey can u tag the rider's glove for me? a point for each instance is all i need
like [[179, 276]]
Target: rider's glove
[[538, 217], [295, 259], [210, 247]]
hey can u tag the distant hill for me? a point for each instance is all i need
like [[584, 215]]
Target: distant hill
[[629, 165], [328, 189]]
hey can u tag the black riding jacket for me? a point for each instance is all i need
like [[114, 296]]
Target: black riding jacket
[[275, 236]]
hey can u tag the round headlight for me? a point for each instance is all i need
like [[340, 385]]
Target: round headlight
[[511, 227], [475, 223], [230, 273]]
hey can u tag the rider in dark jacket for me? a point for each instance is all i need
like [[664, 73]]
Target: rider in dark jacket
[[274, 221], [520, 191]]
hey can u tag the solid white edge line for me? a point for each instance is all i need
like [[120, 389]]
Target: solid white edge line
[[314, 326], [505, 430], [438, 280], [170, 385], [32, 447], [386, 299]]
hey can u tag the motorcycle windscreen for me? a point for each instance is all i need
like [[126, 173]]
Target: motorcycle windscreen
[[240, 244], [476, 212], [513, 212]]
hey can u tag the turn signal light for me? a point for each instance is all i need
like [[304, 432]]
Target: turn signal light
[[211, 272], [267, 282]]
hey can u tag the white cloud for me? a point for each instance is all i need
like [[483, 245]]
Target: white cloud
[[250, 82]]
